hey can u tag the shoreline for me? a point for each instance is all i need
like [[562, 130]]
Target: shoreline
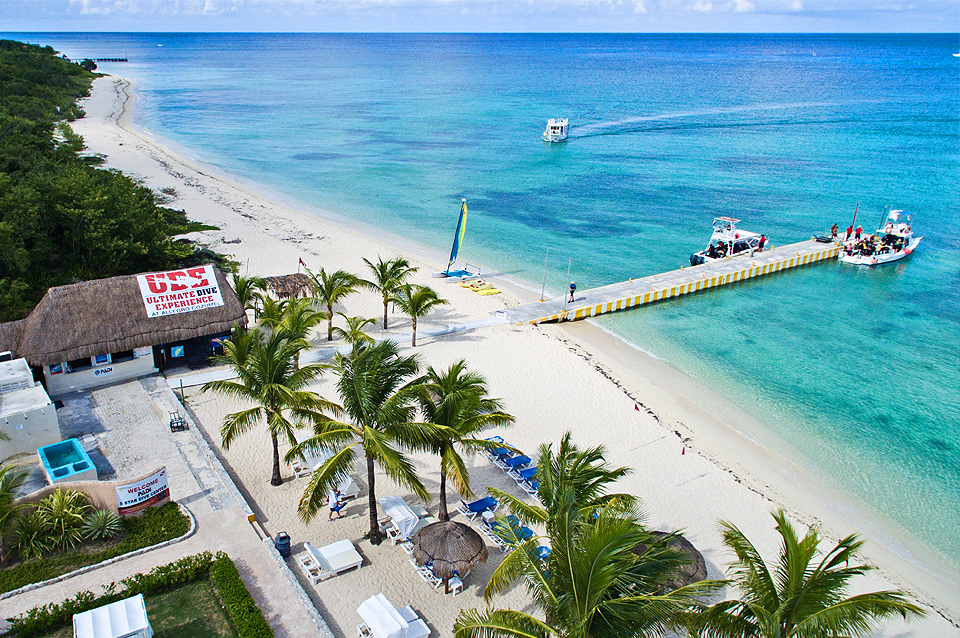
[[626, 370]]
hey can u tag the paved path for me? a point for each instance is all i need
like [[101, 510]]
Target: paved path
[[136, 437]]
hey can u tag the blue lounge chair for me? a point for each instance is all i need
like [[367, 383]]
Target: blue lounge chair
[[497, 453], [521, 476], [474, 509], [530, 487], [517, 462]]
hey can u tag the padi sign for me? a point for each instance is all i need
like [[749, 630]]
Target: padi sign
[[177, 291]]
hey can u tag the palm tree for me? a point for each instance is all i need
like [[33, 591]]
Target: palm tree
[[249, 291], [378, 396], [388, 276], [299, 317], [416, 301], [271, 315], [455, 398], [593, 582], [804, 595], [267, 375], [331, 289], [12, 478], [354, 333]]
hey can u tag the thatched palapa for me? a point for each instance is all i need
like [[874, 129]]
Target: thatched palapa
[[286, 286], [108, 315]]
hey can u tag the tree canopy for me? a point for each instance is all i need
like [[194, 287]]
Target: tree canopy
[[63, 219]]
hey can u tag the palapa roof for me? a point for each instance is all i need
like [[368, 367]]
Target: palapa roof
[[108, 315], [293, 285], [450, 546]]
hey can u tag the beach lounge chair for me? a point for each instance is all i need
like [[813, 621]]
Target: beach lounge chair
[[530, 487], [518, 462], [495, 453], [426, 574], [474, 509], [523, 476], [329, 560]]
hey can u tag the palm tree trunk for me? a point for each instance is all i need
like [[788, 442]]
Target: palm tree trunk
[[277, 479], [375, 538], [413, 342], [330, 322], [442, 515], [386, 303]]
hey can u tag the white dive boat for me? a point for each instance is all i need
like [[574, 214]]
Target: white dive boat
[[556, 130], [893, 241], [729, 241]]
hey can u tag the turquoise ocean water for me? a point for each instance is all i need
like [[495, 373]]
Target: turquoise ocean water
[[857, 368]]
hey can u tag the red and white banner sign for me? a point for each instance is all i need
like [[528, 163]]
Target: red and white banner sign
[[176, 291], [152, 490]]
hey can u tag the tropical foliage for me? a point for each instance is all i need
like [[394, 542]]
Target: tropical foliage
[[378, 393], [802, 595], [387, 278], [331, 289], [268, 376], [354, 332], [594, 581], [11, 479], [61, 218], [417, 302], [456, 398]]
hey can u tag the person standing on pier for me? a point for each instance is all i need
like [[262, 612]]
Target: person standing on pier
[[573, 289], [763, 241], [833, 232]]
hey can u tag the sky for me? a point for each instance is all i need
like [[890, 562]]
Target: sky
[[623, 16]]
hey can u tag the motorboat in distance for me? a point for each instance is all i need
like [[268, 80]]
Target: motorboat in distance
[[556, 130], [891, 242]]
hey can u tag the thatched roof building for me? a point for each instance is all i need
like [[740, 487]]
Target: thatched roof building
[[108, 315]]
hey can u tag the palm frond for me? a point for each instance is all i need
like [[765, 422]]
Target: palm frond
[[500, 623]]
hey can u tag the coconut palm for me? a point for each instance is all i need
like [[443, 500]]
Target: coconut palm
[[388, 276], [12, 478], [803, 595], [268, 376], [378, 392], [354, 333], [592, 583], [250, 291], [272, 313], [332, 288], [416, 301], [456, 398], [299, 317]]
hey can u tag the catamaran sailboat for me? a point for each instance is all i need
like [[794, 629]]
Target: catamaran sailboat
[[455, 251]]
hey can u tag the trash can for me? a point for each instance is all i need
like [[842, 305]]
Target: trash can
[[282, 543]]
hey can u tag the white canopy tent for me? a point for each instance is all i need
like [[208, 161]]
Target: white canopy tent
[[125, 618]]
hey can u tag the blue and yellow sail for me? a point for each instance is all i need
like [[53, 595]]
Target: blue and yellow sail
[[458, 236]]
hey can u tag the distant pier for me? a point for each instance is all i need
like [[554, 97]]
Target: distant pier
[[109, 59], [685, 281]]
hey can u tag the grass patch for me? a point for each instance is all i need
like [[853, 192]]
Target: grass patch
[[158, 524], [190, 611]]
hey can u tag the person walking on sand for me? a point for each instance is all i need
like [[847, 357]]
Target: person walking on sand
[[573, 289], [333, 500]]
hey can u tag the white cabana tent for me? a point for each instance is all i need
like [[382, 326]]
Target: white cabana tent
[[125, 618]]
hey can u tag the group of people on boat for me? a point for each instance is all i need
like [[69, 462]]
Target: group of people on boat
[[720, 249], [873, 245]]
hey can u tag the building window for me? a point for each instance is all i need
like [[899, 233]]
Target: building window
[[56, 368], [79, 364], [101, 359], [125, 355]]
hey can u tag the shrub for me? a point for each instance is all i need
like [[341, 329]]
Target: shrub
[[30, 537], [64, 511], [101, 524], [247, 617]]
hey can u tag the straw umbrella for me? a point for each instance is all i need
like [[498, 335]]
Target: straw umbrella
[[451, 546]]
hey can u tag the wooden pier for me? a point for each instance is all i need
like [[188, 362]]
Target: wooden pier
[[685, 281]]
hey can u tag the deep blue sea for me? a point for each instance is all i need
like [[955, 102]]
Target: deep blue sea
[[858, 368]]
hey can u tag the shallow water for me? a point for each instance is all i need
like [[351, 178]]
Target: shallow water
[[855, 367]]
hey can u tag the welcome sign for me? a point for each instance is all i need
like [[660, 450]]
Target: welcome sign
[[177, 291], [147, 492]]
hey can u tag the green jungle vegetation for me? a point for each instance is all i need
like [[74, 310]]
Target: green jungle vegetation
[[62, 218]]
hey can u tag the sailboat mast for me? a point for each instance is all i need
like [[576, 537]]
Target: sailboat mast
[[458, 236]]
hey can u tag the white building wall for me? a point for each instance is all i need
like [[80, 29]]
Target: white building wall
[[28, 427], [58, 384]]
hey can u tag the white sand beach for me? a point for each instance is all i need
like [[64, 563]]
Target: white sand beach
[[696, 458]]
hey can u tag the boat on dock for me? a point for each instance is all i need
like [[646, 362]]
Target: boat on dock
[[893, 241], [556, 130], [729, 241]]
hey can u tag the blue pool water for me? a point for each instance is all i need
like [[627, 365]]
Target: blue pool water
[[857, 368]]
